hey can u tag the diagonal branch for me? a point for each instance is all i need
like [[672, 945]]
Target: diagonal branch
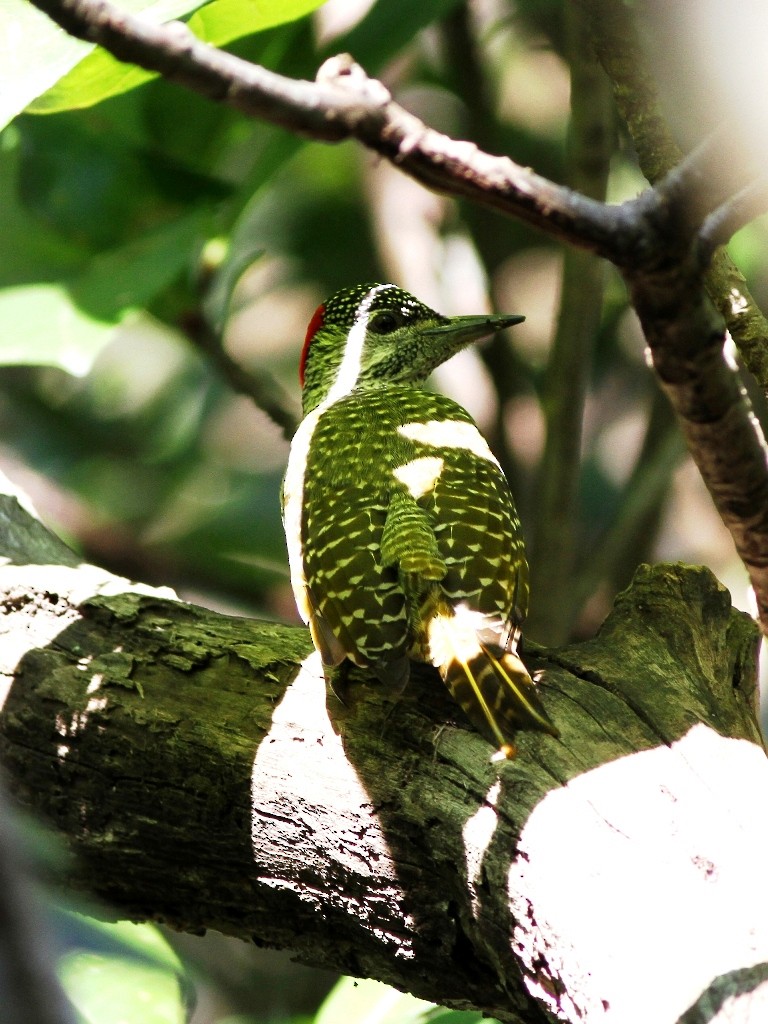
[[344, 103], [720, 226], [261, 387]]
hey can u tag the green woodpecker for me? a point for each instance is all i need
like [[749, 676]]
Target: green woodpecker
[[402, 534]]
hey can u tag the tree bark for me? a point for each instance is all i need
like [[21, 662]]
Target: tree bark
[[203, 777]]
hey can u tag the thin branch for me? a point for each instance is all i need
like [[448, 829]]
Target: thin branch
[[722, 224], [261, 387], [696, 188], [591, 140]]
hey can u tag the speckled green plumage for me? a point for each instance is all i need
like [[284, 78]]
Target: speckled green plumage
[[374, 555]]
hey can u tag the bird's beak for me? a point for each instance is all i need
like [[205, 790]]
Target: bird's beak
[[463, 329]]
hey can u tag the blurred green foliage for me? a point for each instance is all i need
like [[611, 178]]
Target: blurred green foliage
[[358, 1002], [123, 973]]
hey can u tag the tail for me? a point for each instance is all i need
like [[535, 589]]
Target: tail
[[491, 684]]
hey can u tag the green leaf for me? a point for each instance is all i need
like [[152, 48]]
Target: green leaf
[[142, 942], [29, 248], [40, 325], [131, 276], [100, 75], [66, 323], [134, 978], [34, 54], [224, 20], [95, 78], [370, 1002], [98, 178]]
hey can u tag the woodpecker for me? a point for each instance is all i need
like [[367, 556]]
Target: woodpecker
[[403, 539]]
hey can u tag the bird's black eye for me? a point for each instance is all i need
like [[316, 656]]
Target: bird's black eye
[[384, 322]]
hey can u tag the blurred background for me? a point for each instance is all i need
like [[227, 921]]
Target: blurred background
[[150, 239], [137, 225]]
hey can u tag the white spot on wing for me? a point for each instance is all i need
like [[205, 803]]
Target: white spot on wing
[[449, 434], [349, 371], [420, 475]]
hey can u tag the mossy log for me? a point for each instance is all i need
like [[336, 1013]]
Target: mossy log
[[204, 777]]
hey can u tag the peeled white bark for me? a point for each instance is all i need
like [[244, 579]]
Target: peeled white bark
[[658, 895]]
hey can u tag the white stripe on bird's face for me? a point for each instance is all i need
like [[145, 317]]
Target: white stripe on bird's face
[[449, 434], [352, 360], [293, 482]]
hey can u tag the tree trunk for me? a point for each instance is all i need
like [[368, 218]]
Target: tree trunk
[[204, 778]]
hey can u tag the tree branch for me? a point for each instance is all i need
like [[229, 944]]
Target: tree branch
[[266, 393], [344, 103], [722, 224]]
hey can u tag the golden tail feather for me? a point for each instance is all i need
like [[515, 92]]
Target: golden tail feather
[[497, 694]]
